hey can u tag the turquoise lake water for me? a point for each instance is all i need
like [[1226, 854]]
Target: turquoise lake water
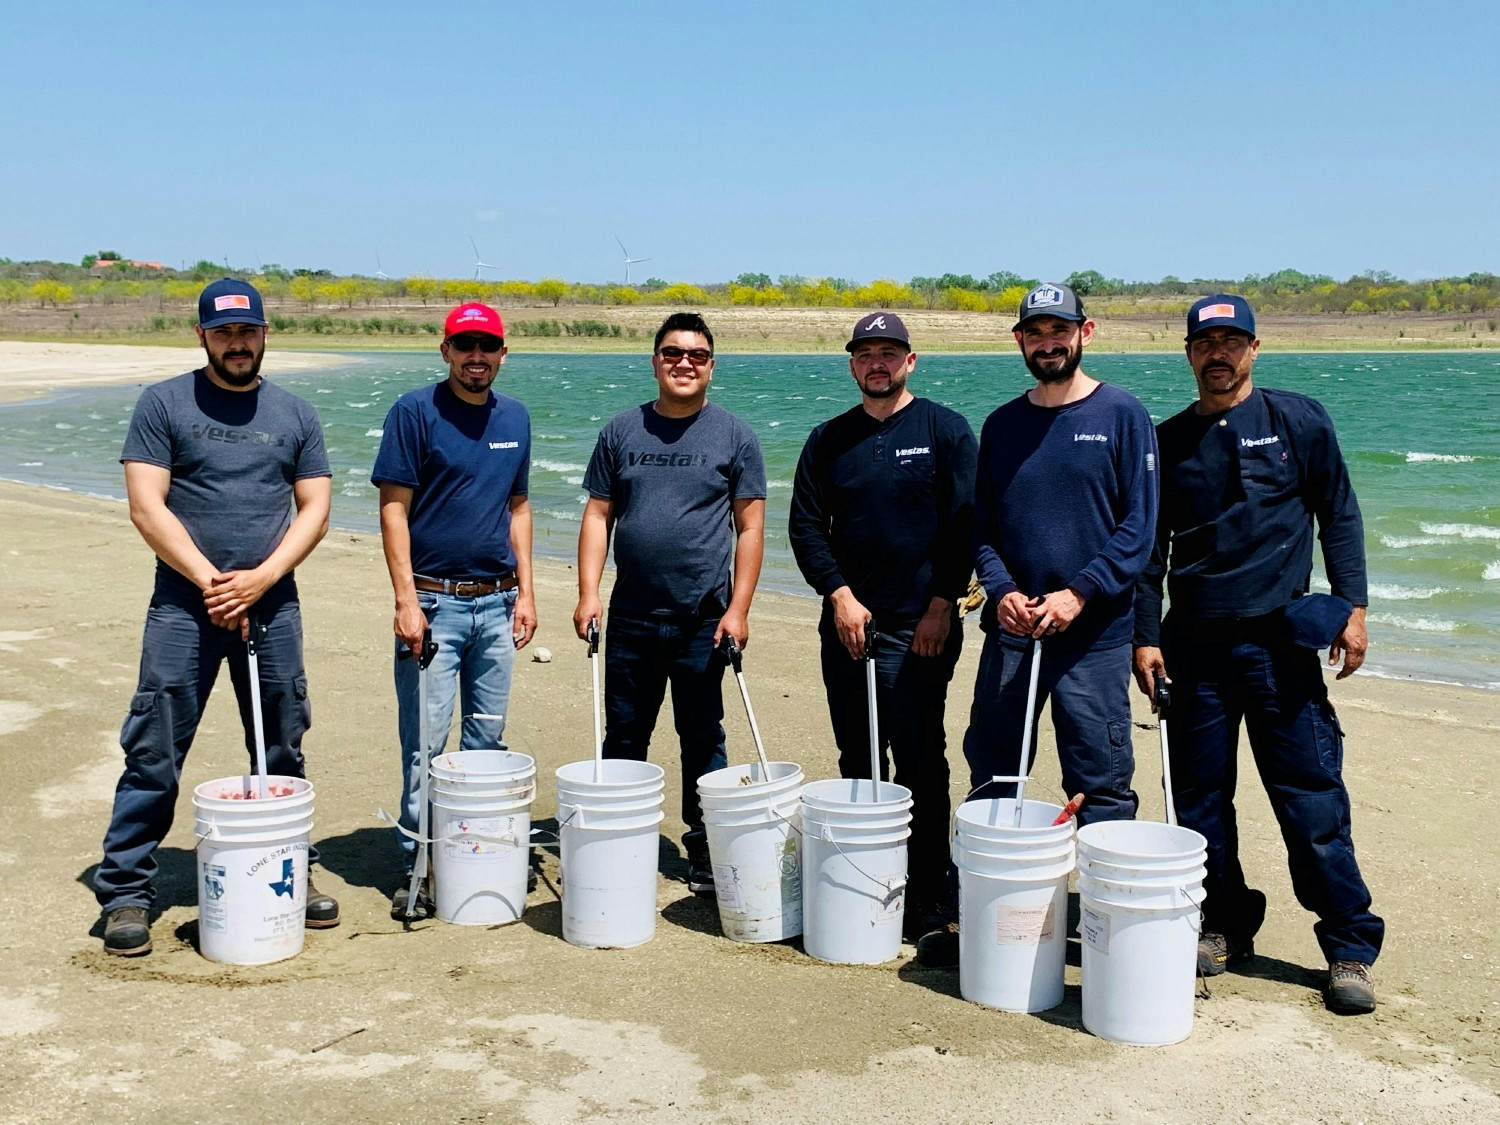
[[1421, 434]]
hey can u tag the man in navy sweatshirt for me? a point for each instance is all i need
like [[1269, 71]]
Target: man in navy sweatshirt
[[881, 523], [1245, 471], [1064, 512]]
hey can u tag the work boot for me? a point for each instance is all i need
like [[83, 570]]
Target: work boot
[[939, 949], [1350, 990], [425, 908], [922, 918], [534, 864], [127, 932], [322, 911], [1217, 952], [700, 878]]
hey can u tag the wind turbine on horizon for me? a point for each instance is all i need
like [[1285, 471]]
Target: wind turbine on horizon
[[629, 261], [380, 273], [479, 263]]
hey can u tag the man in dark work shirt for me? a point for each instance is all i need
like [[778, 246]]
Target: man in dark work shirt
[[1245, 471], [881, 519]]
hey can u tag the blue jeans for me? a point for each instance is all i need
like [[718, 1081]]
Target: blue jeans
[[1276, 687], [180, 657], [641, 656], [1090, 694], [911, 694], [476, 653]]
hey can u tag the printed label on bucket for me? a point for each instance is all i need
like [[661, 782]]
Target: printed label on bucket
[[213, 914], [493, 828], [1094, 926], [888, 902], [791, 871], [1023, 925], [727, 886]]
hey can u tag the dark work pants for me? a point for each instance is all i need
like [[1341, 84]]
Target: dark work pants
[[180, 657], [641, 656], [1090, 695], [1277, 688], [911, 693]]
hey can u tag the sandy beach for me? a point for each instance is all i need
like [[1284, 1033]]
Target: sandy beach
[[31, 369], [447, 1023]]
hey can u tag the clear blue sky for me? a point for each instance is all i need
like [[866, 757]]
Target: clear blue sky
[[856, 140]]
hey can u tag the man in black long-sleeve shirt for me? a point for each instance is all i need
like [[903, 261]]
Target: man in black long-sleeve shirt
[[880, 524], [1245, 472]]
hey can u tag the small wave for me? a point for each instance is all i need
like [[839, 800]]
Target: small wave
[[560, 514], [62, 425], [1392, 593], [550, 437], [357, 405], [1491, 572], [573, 479], [1442, 458], [556, 466], [778, 484], [32, 464], [323, 391], [1418, 624], [1401, 542], [775, 424], [1462, 530], [375, 433]]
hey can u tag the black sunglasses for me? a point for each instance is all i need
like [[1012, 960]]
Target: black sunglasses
[[672, 354], [471, 341]]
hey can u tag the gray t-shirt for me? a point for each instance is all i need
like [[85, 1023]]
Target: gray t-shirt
[[671, 483], [234, 457]]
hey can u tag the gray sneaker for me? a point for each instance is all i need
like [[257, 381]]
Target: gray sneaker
[[1217, 952], [127, 932], [700, 879], [1350, 990], [425, 907]]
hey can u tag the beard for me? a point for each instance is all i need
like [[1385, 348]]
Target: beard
[[234, 379], [475, 384], [894, 386], [1055, 374]]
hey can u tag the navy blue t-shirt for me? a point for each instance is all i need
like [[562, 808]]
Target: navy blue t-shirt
[[235, 457], [1066, 498], [886, 507], [1239, 493], [463, 464]]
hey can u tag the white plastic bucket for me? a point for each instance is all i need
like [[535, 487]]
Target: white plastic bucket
[[994, 819], [608, 848], [482, 848], [755, 847], [482, 765], [1139, 936], [252, 870], [854, 870]]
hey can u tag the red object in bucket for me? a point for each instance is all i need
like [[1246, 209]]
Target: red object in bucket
[[1070, 810], [250, 794]]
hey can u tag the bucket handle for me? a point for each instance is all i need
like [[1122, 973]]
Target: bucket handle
[[892, 890], [578, 811], [510, 838], [1020, 782]]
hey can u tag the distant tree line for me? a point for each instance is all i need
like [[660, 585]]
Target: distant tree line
[[1285, 291]]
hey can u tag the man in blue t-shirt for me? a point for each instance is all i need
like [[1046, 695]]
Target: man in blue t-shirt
[[881, 526], [215, 460], [455, 521], [1245, 472], [1064, 511], [681, 485]]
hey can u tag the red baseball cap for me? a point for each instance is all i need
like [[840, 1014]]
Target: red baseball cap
[[473, 317]]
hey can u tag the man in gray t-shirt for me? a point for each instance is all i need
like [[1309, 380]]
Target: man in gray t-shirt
[[681, 484], [215, 460]]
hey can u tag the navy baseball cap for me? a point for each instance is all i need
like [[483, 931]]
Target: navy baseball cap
[[1050, 300], [1222, 310], [879, 326], [230, 301]]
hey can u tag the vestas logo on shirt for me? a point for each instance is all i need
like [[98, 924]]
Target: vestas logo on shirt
[[914, 451], [237, 437], [1090, 437], [505, 445], [1251, 443], [668, 460]]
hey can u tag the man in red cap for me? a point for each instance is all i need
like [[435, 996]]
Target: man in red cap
[[456, 525]]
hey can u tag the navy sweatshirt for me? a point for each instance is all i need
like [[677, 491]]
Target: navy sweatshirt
[[1239, 493], [1066, 498], [886, 508]]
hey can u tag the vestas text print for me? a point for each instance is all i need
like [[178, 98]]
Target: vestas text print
[[668, 460]]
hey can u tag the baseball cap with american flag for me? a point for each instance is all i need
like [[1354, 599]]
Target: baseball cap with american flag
[[1222, 310]]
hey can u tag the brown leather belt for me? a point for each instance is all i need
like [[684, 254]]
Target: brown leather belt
[[466, 587]]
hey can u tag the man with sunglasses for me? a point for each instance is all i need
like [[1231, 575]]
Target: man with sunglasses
[[455, 521], [881, 526], [680, 484], [1245, 473], [215, 462]]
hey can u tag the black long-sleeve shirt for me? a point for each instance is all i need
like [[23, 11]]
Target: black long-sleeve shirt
[[1239, 493], [886, 508]]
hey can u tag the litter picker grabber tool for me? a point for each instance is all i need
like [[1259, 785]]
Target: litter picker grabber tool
[[252, 660], [736, 657], [871, 639], [591, 634], [424, 753], [1161, 701], [1023, 767]]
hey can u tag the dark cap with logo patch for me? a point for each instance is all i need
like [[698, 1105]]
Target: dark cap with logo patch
[[879, 326], [1222, 310], [1050, 300], [230, 301]]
